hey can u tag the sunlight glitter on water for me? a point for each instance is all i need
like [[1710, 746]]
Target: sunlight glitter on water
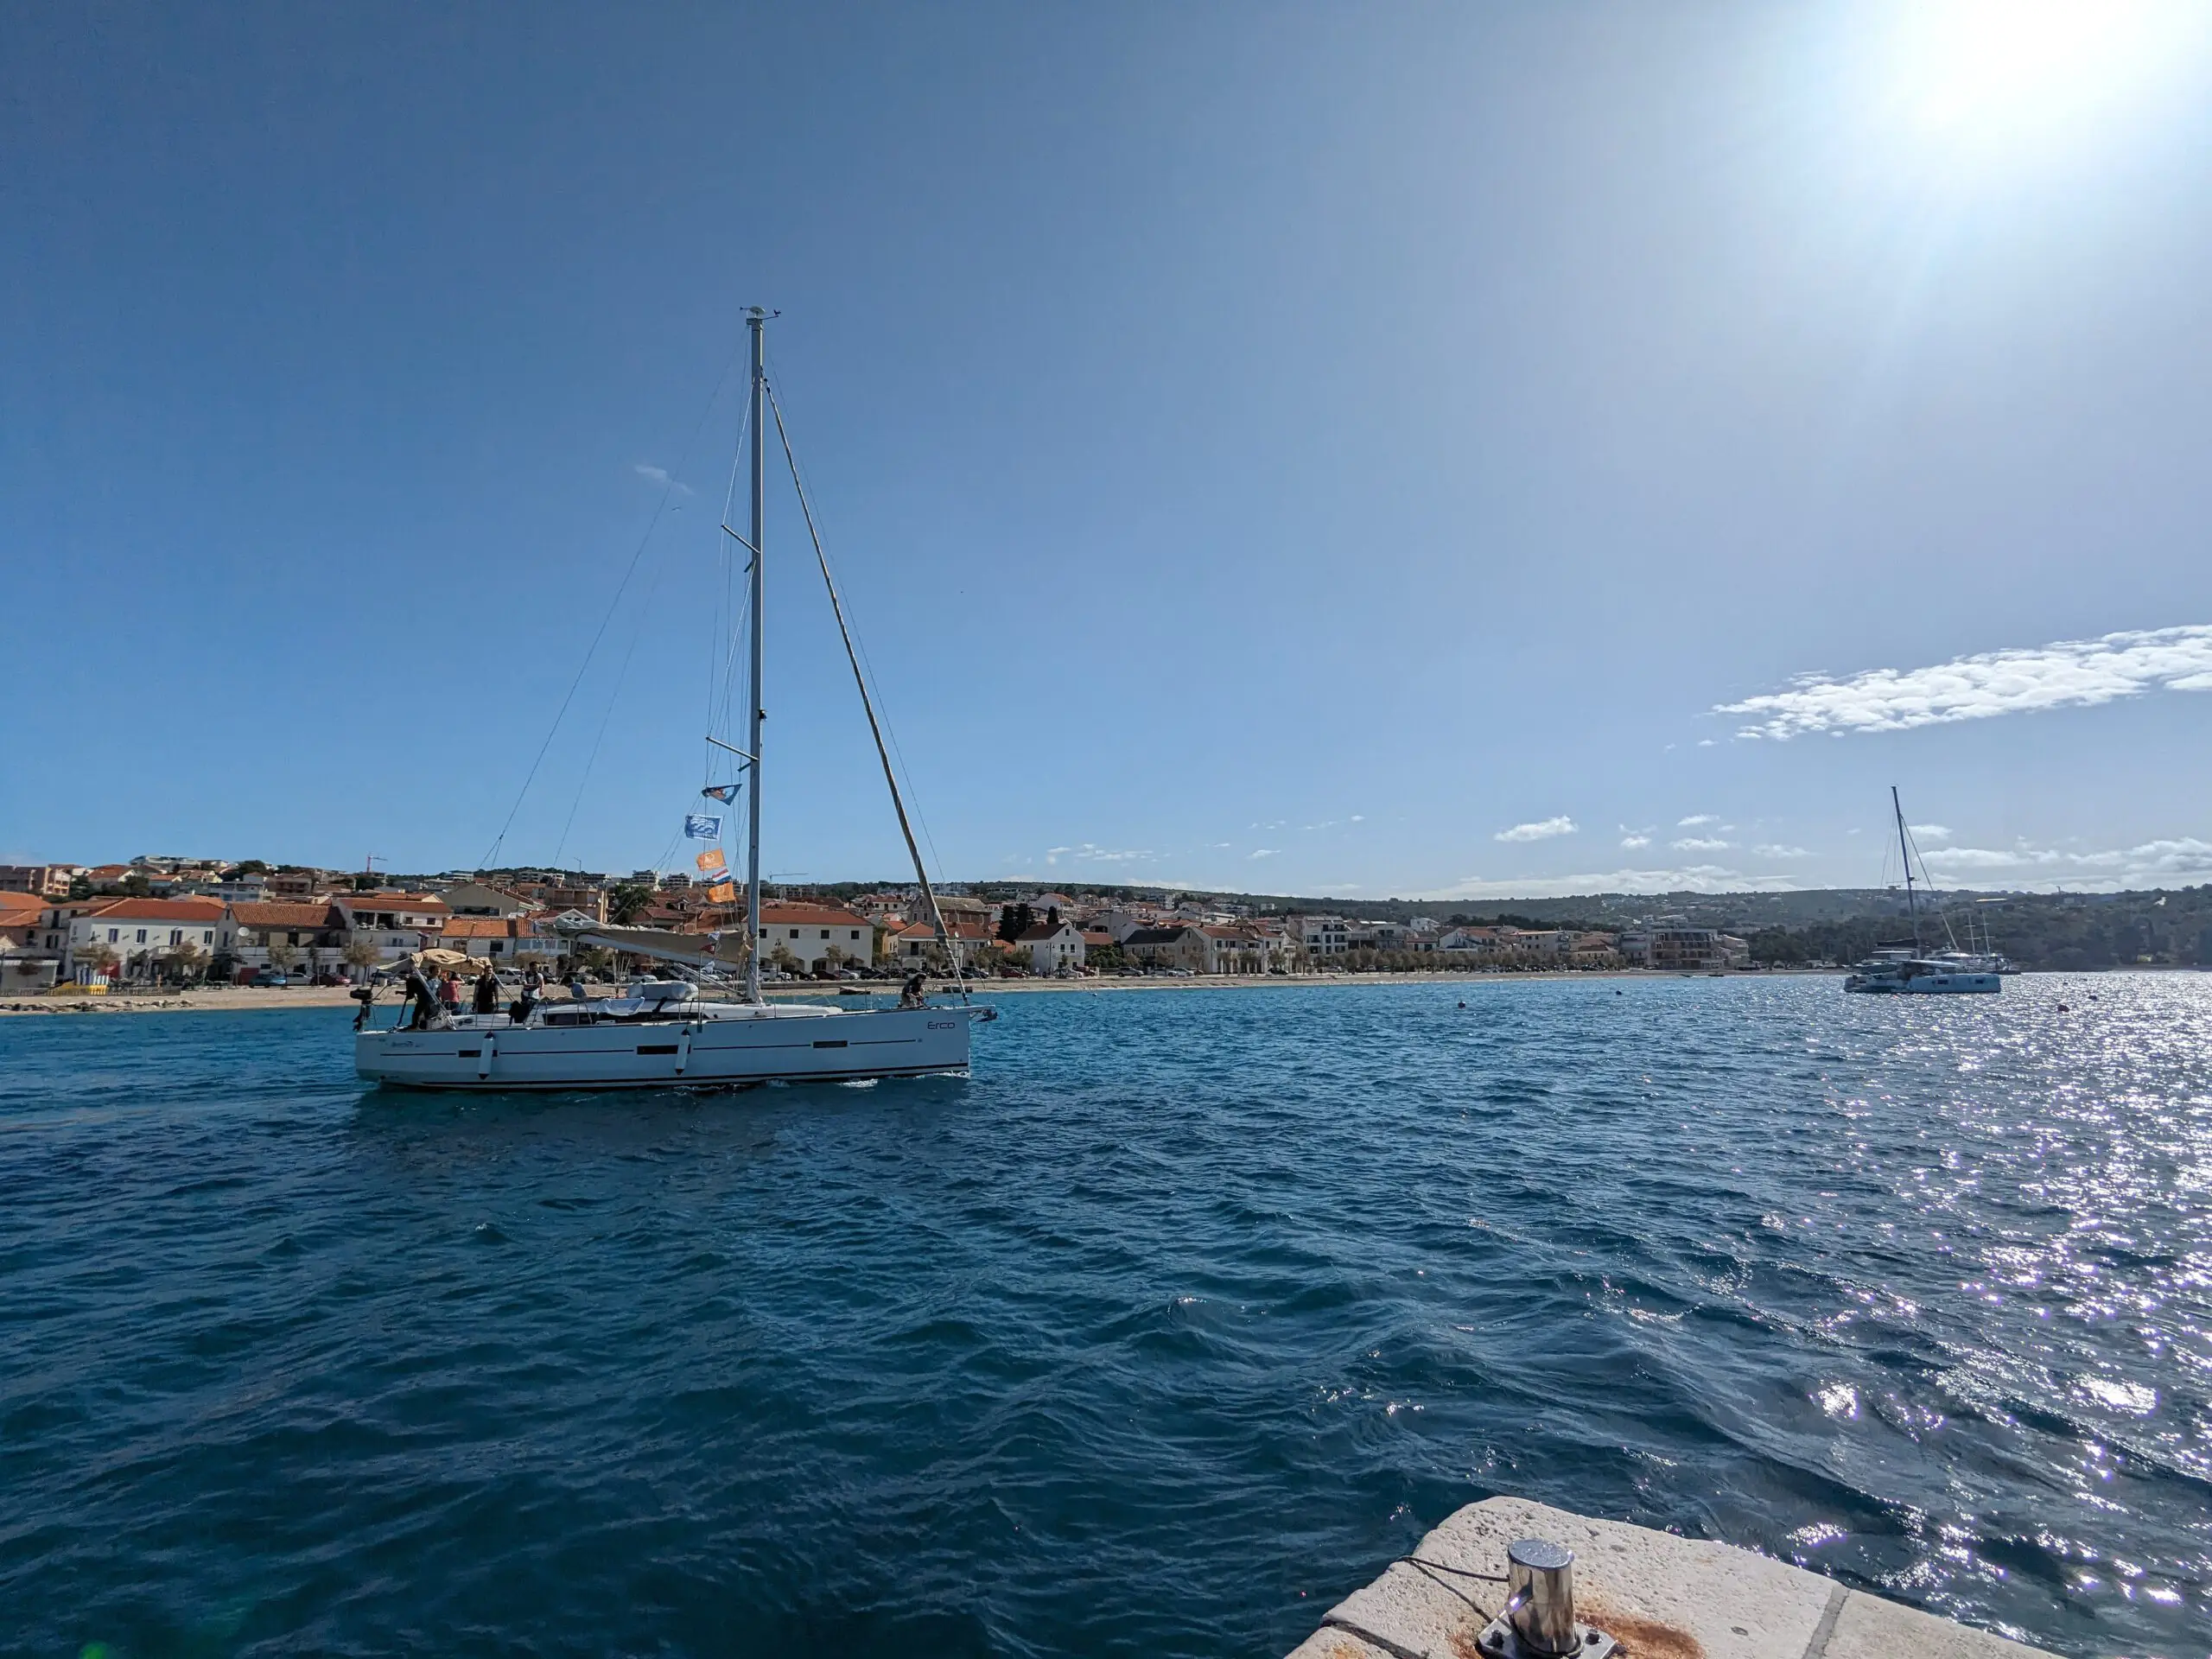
[[1187, 1311]]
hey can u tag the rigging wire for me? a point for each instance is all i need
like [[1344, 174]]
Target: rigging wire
[[660, 508], [621, 677], [1943, 914], [890, 731], [868, 705]]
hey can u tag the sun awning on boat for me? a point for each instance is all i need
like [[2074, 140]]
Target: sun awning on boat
[[700, 950]]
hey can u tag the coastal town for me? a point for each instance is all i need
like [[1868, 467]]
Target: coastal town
[[166, 921]]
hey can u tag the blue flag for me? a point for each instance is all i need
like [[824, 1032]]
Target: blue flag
[[701, 828]]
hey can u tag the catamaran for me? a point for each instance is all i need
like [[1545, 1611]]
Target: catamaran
[[1914, 971], [664, 1032]]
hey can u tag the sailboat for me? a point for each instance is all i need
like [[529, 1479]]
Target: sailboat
[[1896, 970], [662, 1032]]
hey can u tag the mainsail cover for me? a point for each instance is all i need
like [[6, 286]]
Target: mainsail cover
[[691, 949]]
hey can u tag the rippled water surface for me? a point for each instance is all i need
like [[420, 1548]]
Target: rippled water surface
[[1173, 1325]]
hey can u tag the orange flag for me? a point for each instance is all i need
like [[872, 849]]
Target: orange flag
[[723, 892], [711, 858]]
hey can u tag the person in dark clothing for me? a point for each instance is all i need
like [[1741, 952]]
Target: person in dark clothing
[[532, 983], [487, 993], [916, 993], [416, 990]]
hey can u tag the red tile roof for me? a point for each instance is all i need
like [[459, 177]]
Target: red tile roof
[[277, 913], [488, 927], [161, 910]]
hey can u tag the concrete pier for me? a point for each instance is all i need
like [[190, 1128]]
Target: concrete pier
[[1660, 1596]]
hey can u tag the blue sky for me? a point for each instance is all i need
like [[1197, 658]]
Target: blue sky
[[1372, 450]]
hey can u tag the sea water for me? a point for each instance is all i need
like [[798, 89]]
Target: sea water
[[1174, 1324]]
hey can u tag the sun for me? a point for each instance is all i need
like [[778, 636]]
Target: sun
[[2002, 75]]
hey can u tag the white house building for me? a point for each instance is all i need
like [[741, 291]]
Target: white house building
[[139, 936], [915, 946], [394, 925], [1053, 946], [308, 934], [807, 934], [1320, 935]]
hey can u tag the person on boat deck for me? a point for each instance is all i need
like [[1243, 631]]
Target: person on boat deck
[[487, 991], [532, 983], [916, 993], [576, 983], [449, 992], [415, 990]]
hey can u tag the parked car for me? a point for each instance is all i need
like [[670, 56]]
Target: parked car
[[271, 979]]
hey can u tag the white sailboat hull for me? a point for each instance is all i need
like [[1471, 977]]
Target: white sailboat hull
[[705, 1045], [1935, 984]]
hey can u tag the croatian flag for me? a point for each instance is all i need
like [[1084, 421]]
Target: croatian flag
[[699, 827]]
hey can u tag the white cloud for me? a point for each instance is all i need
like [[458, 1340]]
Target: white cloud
[[1696, 878], [2180, 861], [1930, 831], [1631, 843], [1695, 819], [1772, 851], [2071, 673], [1543, 829], [1263, 852], [1090, 852], [660, 476], [2150, 863], [1700, 844]]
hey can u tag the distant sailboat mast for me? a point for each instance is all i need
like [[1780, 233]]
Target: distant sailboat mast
[[1904, 851]]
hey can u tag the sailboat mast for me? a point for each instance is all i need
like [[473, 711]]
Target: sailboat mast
[[756, 320], [1904, 851]]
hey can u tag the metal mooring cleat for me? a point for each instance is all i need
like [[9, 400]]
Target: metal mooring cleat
[[1538, 1620]]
